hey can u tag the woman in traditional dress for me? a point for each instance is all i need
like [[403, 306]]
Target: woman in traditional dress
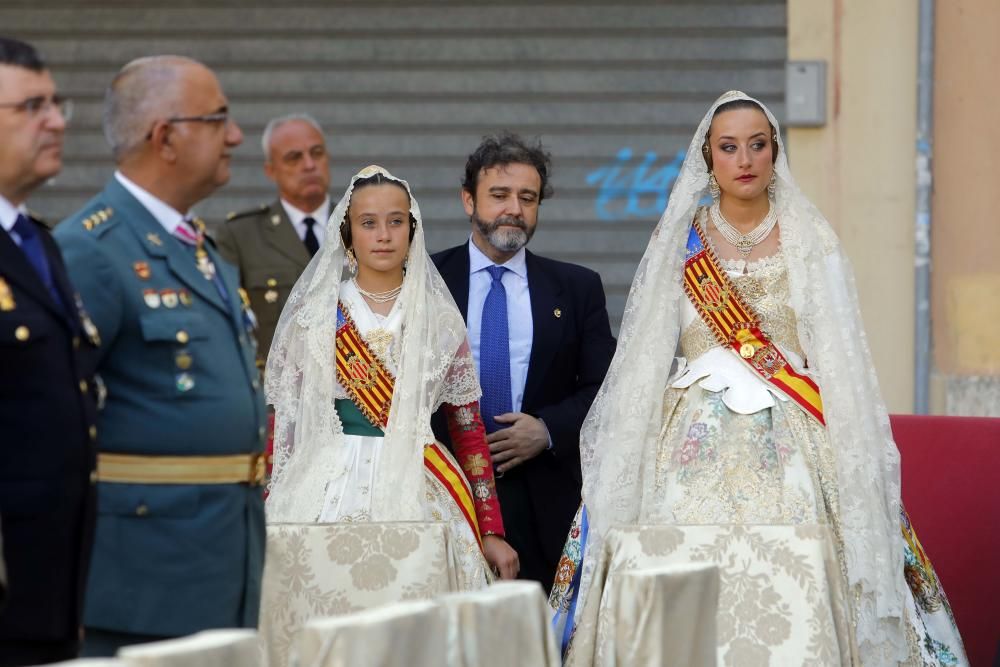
[[771, 416], [356, 370]]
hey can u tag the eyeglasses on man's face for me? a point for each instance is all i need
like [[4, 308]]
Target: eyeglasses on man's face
[[39, 105], [217, 118]]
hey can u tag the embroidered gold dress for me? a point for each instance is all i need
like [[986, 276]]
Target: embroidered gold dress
[[732, 451]]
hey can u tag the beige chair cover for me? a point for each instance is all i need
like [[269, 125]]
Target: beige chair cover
[[505, 624], [780, 594], [405, 634], [211, 648], [663, 615], [320, 570]]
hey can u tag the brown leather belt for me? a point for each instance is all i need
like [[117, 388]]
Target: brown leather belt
[[137, 469]]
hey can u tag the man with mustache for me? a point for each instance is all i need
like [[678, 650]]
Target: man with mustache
[[180, 531], [271, 244], [48, 409], [540, 334]]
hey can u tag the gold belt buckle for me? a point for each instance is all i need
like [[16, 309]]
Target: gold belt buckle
[[258, 469]]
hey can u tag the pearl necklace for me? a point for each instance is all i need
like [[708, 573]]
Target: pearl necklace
[[744, 243], [378, 297]]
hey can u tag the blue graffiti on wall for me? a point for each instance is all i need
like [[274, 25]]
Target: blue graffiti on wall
[[629, 190]]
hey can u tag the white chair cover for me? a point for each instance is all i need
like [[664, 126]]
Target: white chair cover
[[664, 615], [505, 624], [88, 662], [320, 570], [781, 594], [211, 648], [405, 634]]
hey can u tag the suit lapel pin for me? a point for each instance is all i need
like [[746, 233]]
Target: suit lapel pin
[[557, 312], [154, 238], [151, 297], [275, 219], [141, 270], [6, 297]]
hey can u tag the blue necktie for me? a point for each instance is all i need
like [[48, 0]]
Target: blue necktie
[[494, 353], [31, 244]]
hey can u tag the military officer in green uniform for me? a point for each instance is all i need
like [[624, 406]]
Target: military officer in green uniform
[[272, 243], [179, 545]]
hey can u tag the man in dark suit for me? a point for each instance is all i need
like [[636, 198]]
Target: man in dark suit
[[271, 244], [540, 334], [47, 393], [180, 532]]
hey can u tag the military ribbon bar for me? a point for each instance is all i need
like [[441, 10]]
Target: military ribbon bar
[[737, 326]]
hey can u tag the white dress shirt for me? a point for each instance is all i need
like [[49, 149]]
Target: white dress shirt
[[165, 214], [519, 322], [8, 216], [320, 215]]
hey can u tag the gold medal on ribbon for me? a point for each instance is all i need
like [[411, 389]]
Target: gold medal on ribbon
[[7, 302]]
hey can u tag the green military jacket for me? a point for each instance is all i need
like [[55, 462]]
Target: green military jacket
[[265, 247], [177, 359]]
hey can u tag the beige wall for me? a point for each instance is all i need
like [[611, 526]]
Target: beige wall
[[859, 168], [966, 208]]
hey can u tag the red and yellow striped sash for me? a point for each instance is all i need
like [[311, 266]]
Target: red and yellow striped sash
[[444, 469], [737, 326], [370, 385], [363, 375]]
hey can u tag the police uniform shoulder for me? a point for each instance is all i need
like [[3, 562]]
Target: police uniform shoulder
[[255, 211], [95, 220]]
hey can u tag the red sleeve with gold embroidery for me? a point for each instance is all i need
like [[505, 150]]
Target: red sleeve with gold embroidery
[[468, 439]]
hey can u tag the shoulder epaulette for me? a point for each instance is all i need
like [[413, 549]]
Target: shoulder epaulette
[[257, 210], [97, 219]]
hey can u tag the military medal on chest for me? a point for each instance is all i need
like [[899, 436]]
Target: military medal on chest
[[201, 258], [204, 263], [6, 296], [271, 295], [89, 328]]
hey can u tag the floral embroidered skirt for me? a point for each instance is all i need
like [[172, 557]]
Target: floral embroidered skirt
[[349, 500], [774, 467]]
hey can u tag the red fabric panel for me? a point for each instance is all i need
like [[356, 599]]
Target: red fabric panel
[[468, 440], [950, 470]]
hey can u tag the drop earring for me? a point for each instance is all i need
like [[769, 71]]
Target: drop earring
[[713, 187], [352, 261], [772, 186]]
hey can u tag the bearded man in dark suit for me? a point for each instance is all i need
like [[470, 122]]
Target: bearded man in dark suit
[[542, 341]]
